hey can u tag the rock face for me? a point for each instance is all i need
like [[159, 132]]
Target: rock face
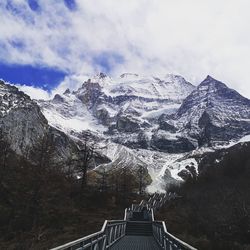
[[22, 122], [127, 124], [166, 142], [214, 113], [25, 128]]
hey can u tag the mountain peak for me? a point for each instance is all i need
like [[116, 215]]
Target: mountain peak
[[102, 75], [177, 80], [210, 81], [210, 78], [67, 91], [9, 88]]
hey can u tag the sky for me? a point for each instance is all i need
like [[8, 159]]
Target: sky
[[49, 45]]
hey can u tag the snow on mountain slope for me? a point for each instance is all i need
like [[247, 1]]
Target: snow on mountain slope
[[245, 139], [164, 167], [119, 106], [170, 87], [165, 124], [231, 143], [159, 169], [68, 113], [168, 109], [122, 156], [140, 94]]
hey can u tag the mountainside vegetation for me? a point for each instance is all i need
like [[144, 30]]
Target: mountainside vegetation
[[43, 206], [213, 211]]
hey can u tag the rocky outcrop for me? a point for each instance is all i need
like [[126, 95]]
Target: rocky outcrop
[[58, 99], [27, 131], [90, 93], [164, 125], [127, 124], [170, 144]]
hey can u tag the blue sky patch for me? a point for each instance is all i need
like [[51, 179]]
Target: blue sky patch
[[17, 44], [45, 78], [107, 60], [34, 5], [70, 4]]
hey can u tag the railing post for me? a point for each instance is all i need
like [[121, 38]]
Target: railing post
[[124, 229], [165, 243], [104, 242]]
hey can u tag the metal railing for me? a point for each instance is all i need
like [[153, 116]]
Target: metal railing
[[158, 200], [166, 240], [153, 203], [110, 233], [113, 230]]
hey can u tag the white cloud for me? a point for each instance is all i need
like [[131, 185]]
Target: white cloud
[[72, 82], [34, 93], [192, 38]]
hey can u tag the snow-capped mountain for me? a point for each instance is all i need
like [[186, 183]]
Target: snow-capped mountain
[[164, 124], [126, 108]]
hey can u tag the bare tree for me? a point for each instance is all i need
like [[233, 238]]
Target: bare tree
[[43, 152], [141, 174], [86, 150], [129, 182], [114, 180], [104, 176]]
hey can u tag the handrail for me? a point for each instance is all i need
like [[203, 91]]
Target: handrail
[[125, 214], [167, 240], [154, 202], [160, 233], [111, 232], [152, 214]]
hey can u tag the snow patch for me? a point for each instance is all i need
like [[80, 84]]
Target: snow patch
[[178, 166]]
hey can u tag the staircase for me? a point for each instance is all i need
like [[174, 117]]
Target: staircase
[[138, 231], [139, 228]]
